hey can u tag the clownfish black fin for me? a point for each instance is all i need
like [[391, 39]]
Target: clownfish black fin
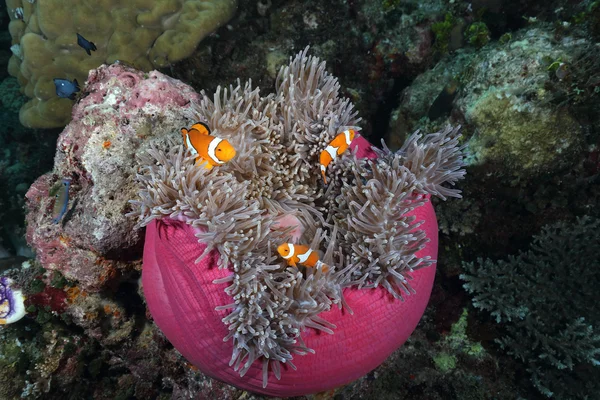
[[201, 127]]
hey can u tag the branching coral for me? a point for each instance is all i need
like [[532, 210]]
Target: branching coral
[[545, 299], [237, 207]]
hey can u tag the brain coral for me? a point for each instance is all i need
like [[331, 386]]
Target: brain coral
[[142, 33], [361, 221]]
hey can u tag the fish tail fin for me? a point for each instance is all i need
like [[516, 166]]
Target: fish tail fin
[[323, 170], [76, 85], [94, 48]]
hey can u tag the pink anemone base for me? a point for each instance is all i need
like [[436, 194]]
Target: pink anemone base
[[182, 300]]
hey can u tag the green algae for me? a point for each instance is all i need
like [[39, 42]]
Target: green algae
[[477, 34], [445, 362], [457, 344], [526, 141], [442, 31]]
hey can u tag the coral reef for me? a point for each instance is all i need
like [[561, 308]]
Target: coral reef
[[528, 102], [122, 113], [532, 137], [121, 110], [541, 298], [145, 34], [116, 355], [359, 221], [376, 48], [457, 342]]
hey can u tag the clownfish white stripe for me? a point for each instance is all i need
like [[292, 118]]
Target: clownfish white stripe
[[212, 147], [348, 138], [332, 151], [188, 144], [303, 257], [291, 254], [323, 168]]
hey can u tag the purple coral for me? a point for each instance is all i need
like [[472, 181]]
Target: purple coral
[[12, 306]]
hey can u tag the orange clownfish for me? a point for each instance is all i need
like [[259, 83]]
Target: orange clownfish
[[336, 147], [214, 150], [301, 254]]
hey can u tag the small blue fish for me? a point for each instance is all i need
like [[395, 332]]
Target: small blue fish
[[61, 201], [65, 88], [86, 44]]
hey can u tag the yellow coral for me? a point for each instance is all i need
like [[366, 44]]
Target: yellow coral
[[144, 33]]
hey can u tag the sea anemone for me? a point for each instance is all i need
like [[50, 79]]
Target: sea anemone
[[362, 222]]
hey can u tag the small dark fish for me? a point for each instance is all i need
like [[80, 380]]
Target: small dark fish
[[562, 71], [65, 88], [61, 201], [86, 44], [442, 105], [19, 14]]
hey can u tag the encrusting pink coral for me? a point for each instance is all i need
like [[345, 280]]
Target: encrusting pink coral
[[121, 110]]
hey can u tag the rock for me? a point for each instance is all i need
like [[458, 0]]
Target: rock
[[120, 110], [508, 98]]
